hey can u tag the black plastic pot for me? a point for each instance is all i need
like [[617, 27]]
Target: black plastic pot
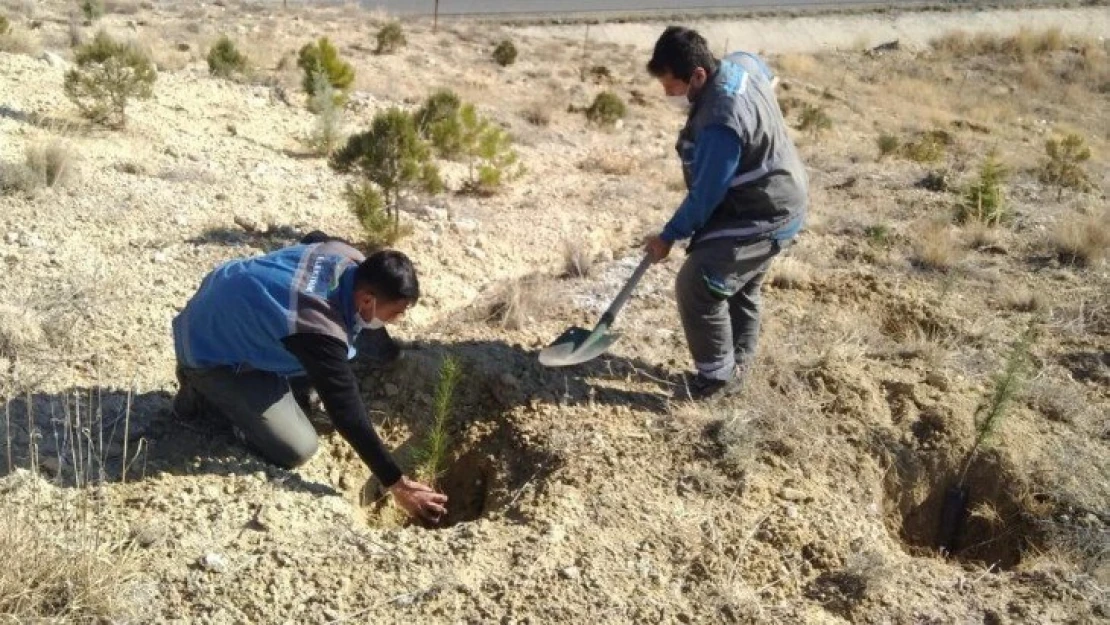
[[952, 517]]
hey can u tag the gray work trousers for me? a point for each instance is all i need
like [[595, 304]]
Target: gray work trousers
[[266, 410], [718, 293]]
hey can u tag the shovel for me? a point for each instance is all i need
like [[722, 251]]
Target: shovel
[[579, 345]]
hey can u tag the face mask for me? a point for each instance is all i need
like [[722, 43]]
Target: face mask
[[680, 102], [373, 324]]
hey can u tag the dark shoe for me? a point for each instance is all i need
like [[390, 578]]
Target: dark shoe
[[699, 387]]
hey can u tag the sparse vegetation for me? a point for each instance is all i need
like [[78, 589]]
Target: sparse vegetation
[[1082, 240], [493, 161], [108, 75], [1026, 44], [92, 9], [438, 121], [225, 60], [321, 57], [5, 26], [927, 147], [935, 247], [65, 572], [788, 273], [877, 234], [515, 304], [50, 162], [888, 144], [935, 180], [505, 53], [391, 38], [379, 229], [610, 163], [983, 200], [393, 156], [578, 261], [538, 113], [814, 120], [1022, 299], [327, 130], [606, 110], [1063, 167], [15, 41], [432, 454], [17, 178]]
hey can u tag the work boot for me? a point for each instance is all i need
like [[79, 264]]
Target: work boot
[[699, 388], [187, 403]]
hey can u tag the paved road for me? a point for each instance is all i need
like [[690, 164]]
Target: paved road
[[477, 7]]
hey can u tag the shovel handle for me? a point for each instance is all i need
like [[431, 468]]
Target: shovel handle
[[626, 292]]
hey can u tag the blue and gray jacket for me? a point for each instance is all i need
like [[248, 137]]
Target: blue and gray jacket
[[244, 308], [741, 168]]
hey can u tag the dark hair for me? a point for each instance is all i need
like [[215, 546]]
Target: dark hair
[[390, 275], [678, 52]]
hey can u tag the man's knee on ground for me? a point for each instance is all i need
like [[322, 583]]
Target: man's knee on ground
[[294, 453]]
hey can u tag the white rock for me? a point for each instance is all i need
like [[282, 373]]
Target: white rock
[[465, 225], [474, 252], [214, 562], [570, 572]]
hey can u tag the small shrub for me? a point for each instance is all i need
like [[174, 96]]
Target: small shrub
[[935, 181], [493, 161], [92, 9], [391, 38], [379, 229], [814, 120], [888, 144], [1063, 167], [327, 131], [538, 114], [600, 74], [1023, 299], [391, 155], [607, 109], [107, 76], [17, 178], [5, 26], [787, 273], [514, 305], [578, 262], [431, 456], [15, 41], [1082, 241], [51, 163], [877, 235], [438, 121], [610, 163], [935, 248], [321, 57], [982, 200], [981, 236], [927, 147], [505, 53], [225, 60]]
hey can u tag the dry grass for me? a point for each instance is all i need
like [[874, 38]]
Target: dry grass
[[978, 235], [519, 302], [1022, 299], [17, 41], [538, 113], [935, 247], [1082, 240], [1026, 44], [52, 162], [578, 261], [796, 65], [65, 572], [610, 163], [788, 273], [1057, 399]]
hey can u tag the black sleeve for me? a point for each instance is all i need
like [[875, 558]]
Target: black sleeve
[[324, 358]]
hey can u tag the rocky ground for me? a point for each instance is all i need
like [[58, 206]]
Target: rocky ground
[[576, 494]]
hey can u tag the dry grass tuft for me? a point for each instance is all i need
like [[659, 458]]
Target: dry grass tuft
[[538, 113], [979, 235], [1057, 399], [1022, 299], [519, 302], [65, 572], [935, 247], [1026, 44], [610, 163], [788, 273], [18, 42], [51, 162], [578, 261], [1082, 240], [795, 65], [20, 330]]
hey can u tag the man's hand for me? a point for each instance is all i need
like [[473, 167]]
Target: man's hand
[[656, 248], [419, 501]]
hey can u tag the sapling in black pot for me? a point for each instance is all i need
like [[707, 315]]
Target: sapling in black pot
[[988, 418]]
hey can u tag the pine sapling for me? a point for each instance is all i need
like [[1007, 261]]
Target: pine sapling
[[432, 454]]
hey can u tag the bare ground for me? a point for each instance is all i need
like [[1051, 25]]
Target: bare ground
[[584, 494]]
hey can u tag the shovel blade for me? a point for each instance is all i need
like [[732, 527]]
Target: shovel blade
[[576, 346]]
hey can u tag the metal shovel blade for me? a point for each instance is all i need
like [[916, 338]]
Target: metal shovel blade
[[576, 346]]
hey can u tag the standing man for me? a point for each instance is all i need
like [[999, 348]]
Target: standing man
[[261, 332], [746, 200]]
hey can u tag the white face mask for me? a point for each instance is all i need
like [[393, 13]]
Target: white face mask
[[373, 324], [680, 102]]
